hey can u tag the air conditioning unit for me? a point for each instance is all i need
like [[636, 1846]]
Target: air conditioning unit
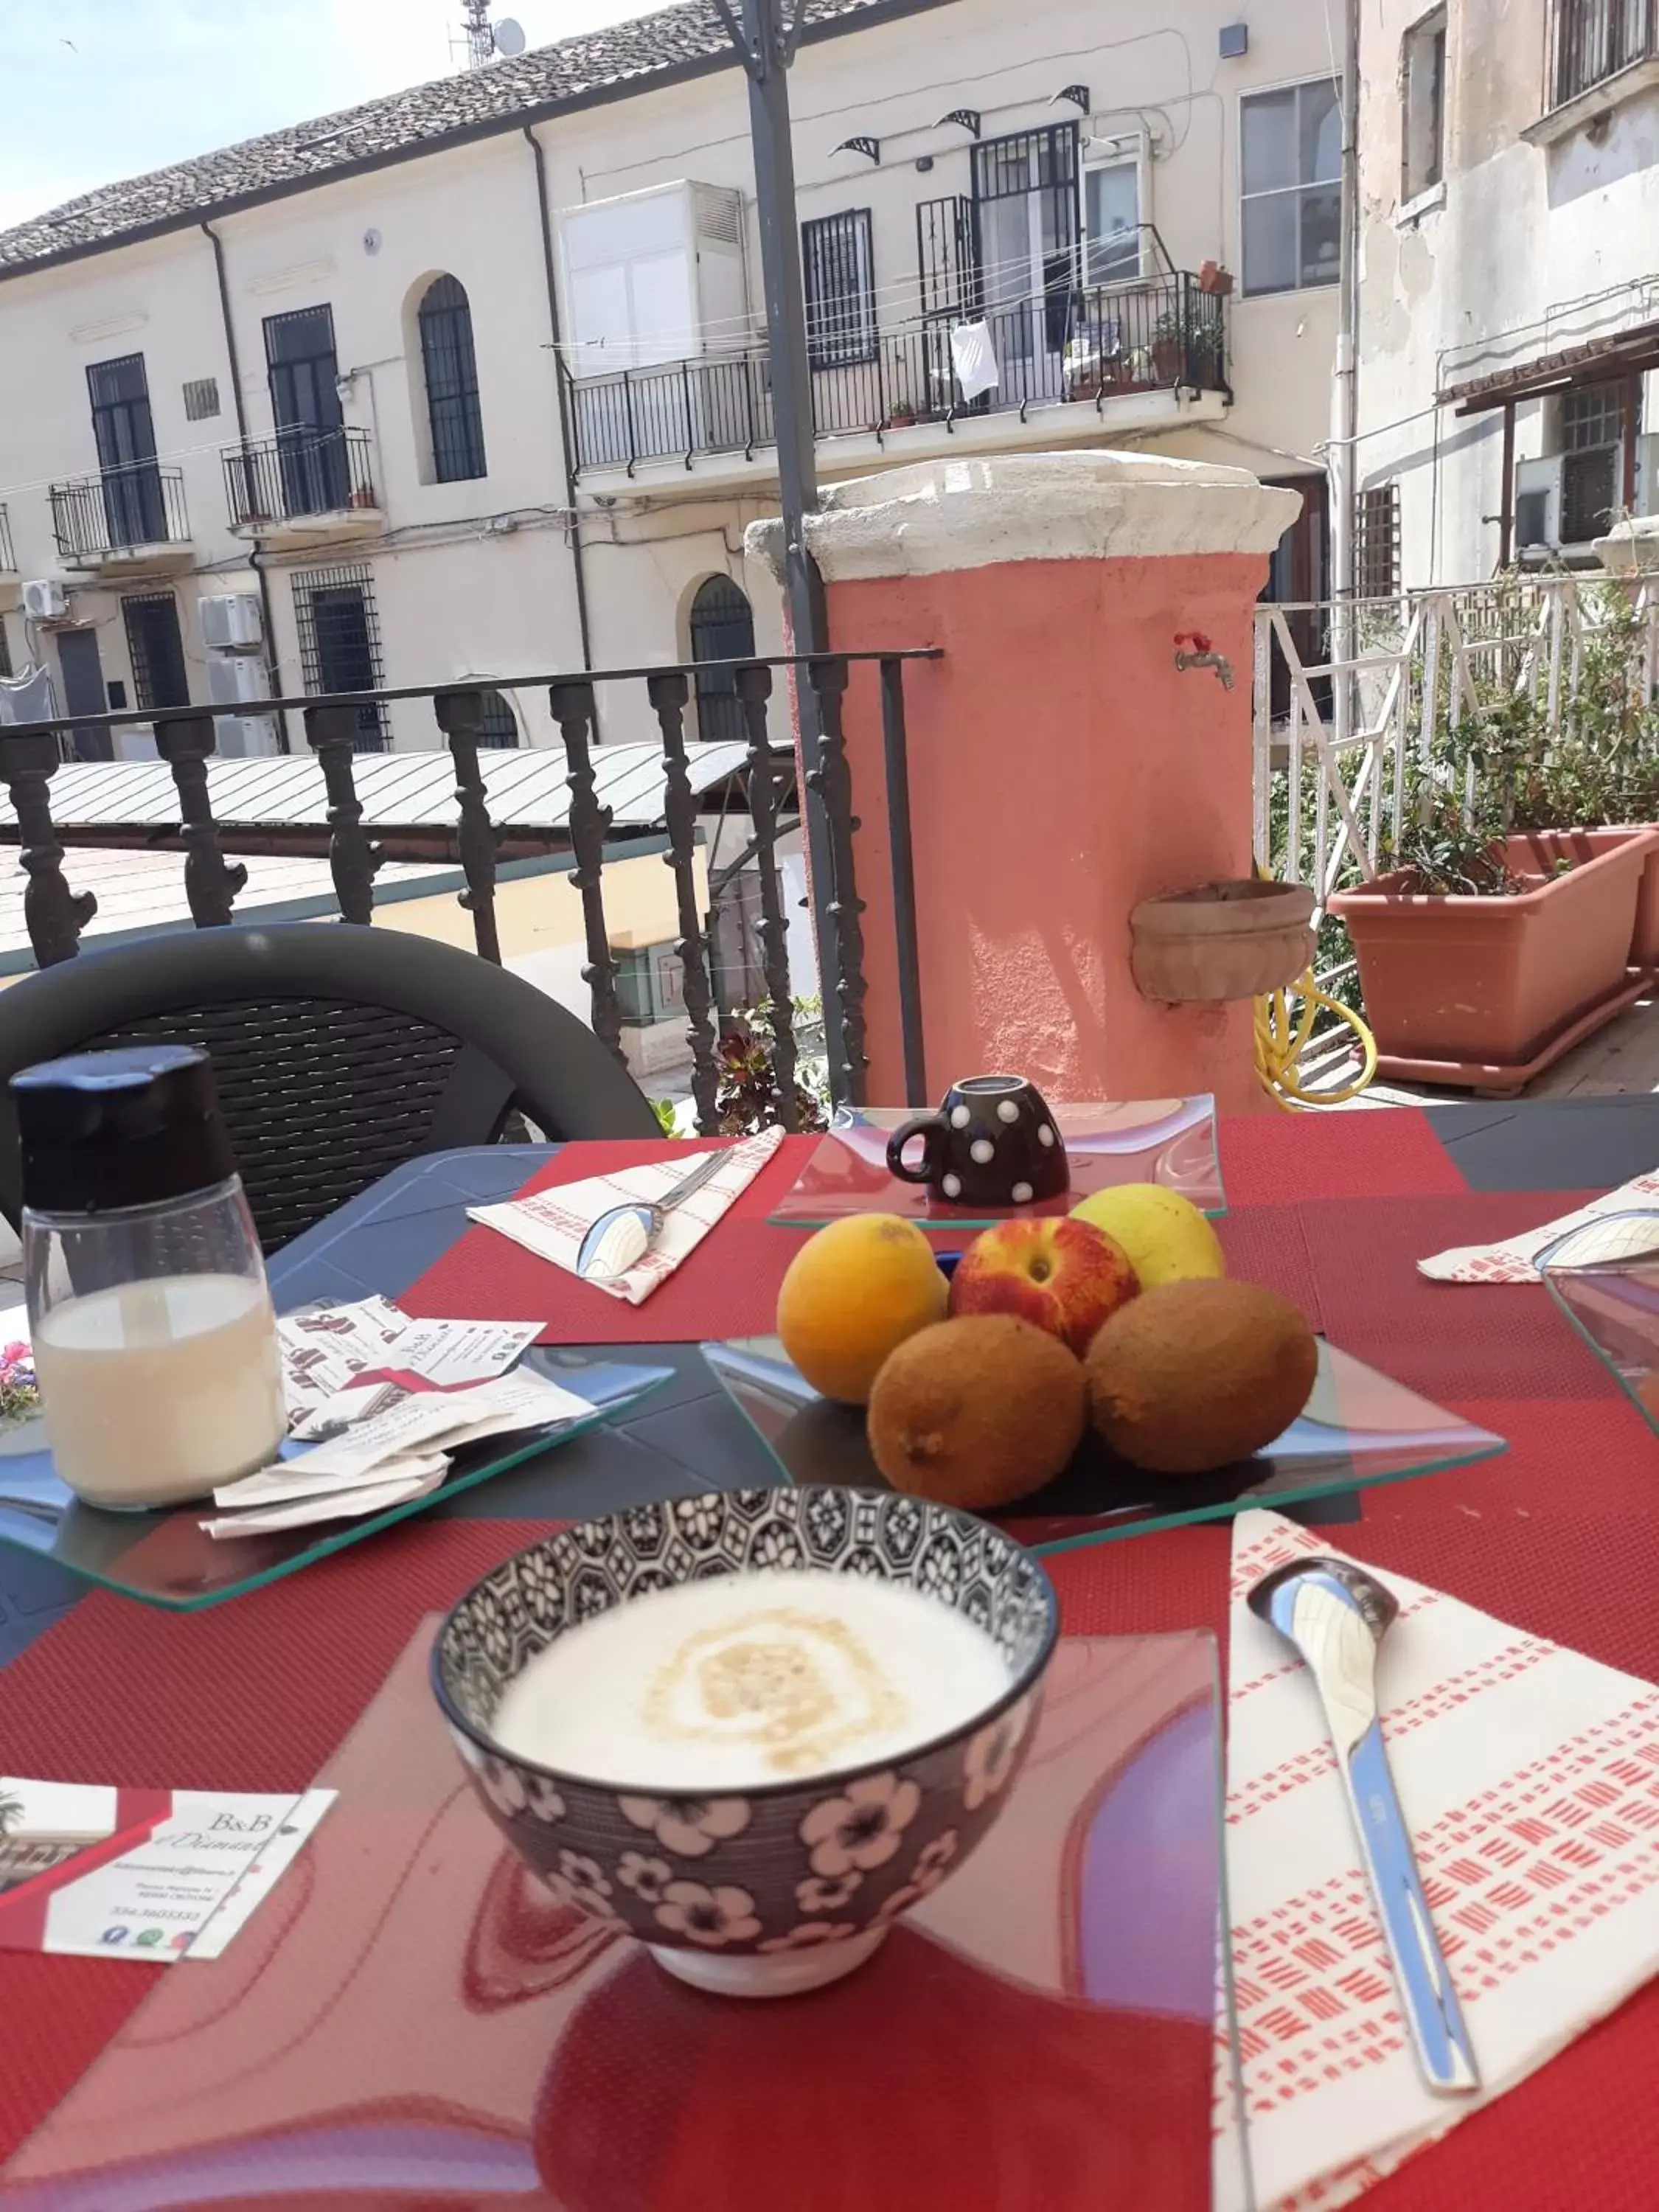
[[230, 622], [239, 737], [1538, 505], [1647, 473], [45, 599], [235, 679]]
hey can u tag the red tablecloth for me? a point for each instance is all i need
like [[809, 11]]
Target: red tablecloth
[[1560, 1535]]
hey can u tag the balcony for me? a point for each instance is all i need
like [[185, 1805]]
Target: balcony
[[302, 484], [126, 521], [1601, 53], [1094, 348]]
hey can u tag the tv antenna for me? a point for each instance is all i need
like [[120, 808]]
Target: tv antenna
[[480, 40]]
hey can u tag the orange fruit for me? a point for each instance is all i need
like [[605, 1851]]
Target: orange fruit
[[855, 1291]]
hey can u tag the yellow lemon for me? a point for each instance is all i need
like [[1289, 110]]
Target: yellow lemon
[[852, 1293], [1167, 1238]]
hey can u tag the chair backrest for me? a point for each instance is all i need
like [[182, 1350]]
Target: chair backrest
[[339, 1051]]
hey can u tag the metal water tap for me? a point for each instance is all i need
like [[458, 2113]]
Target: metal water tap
[[1203, 655]]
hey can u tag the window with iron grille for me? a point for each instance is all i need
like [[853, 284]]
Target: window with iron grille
[[500, 724], [1376, 543], [339, 631], [1592, 431], [155, 650], [839, 273], [1291, 175], [201, 398], [1595, 39], [723, 628], [452, 382]]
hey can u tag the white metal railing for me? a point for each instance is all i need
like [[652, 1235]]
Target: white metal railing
[[1331, 768]]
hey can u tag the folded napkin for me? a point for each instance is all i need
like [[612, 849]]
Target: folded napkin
[[553, 1223], [1529, 1775], [1512, 1261]]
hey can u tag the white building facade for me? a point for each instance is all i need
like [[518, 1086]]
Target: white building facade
[[473, 383], [1508, 323]]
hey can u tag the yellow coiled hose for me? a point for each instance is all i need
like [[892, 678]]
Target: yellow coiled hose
[[1280, 1038]]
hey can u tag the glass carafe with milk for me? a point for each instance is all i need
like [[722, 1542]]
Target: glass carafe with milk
[[154, 1341]]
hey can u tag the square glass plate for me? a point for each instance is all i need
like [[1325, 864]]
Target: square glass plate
[[1358, 1428], [166, 1558], [1163, 1140], [410, 2018], [1604, 1276]]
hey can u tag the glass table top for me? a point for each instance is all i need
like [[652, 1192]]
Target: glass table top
[[1163, 1140], [166, 1559], [411, 2019], [1358, 1428], [1604, 1275]]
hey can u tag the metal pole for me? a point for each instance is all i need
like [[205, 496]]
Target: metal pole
[[766, 45], [1343, 452]]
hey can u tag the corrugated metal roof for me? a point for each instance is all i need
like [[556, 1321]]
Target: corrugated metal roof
[[527, 790]]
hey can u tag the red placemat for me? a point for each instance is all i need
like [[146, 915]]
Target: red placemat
[[728, 1287], [1269, 1160], [1266, 1244]]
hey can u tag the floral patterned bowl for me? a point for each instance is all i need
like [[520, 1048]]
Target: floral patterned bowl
[[793, 1883]]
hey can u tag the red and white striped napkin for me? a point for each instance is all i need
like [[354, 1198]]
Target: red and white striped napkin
[[1512, 1259], [553, 1223], [1529, 1775]]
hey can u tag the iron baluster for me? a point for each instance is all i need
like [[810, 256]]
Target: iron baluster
[[53, 914], [900, 860], [353, 857], [668, 694], [575, 711], [460, 717], [212, 882], [754, 687], [830, 784]]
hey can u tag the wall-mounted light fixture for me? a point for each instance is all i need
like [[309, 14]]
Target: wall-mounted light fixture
[[1078, 94], [968, 117], [870, 147]]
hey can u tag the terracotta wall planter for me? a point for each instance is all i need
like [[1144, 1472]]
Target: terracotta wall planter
[[1486, 993], [1220, 941]]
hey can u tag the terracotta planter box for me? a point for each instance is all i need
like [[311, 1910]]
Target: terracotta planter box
[[1486, 992], [1644, 938], [1221, 941]]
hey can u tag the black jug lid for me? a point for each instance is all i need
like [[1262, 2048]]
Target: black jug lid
[[103, 1130]]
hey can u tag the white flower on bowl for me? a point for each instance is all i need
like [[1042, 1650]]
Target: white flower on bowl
[[648, 1878], [861, 1829], [710, 1916], [809, 1932], [504, 1785], [688, 1826], [932, 1864], [815, 1894], [543, 1803], [989, 1758]]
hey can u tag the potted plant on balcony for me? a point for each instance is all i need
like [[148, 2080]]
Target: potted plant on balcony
[[1169, 346]]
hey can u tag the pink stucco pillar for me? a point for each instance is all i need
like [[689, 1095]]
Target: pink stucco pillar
[[1061, 769]]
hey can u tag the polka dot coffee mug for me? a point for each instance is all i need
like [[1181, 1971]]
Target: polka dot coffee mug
[[993, 1142]]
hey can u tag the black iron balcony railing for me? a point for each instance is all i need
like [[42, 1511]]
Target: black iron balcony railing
[[120, 510], [1591, 40], [748, 897], [1164, 333], [298, 473]]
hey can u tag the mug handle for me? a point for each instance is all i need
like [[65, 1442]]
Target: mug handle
[[930, 1128]]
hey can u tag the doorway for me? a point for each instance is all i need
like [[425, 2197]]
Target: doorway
[[1299, 578], [125, 438], [305, 400], [1029, 221], [83, 692], [723, 628]]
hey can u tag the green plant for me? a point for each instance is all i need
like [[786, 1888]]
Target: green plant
[[749, 1096], [664, 1111]]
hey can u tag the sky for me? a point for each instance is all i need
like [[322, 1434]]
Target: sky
[[99, 89]]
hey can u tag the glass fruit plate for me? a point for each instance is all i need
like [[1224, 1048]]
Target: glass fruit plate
[[412, 2019], [1358, 1427], [166, 1559], [1162, 1140], [1604, 1276]]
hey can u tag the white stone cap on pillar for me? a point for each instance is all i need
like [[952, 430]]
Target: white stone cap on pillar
[[1004, 507]]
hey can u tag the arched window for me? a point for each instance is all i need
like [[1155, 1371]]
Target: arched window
[[500, 724], [452, 382], [723, 628]]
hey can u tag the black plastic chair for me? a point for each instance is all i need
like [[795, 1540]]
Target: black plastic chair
[[339, 1053]]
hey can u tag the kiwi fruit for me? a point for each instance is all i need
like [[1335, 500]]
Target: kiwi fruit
[[1190, 1376], [976, 1412]]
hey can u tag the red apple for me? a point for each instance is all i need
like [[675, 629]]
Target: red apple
[[1064, 1274]]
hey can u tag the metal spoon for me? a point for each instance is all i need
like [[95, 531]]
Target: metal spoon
[[620, 1238], [1335, 1615]]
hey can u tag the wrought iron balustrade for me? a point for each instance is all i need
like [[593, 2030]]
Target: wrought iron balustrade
[[763, 767], [298, 473], [1160, 332], [119, 510]]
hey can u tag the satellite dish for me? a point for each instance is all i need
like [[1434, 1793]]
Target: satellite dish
[[510, 41]]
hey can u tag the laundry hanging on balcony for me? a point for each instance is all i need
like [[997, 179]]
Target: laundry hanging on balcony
[[974, 358], [29, 697]]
